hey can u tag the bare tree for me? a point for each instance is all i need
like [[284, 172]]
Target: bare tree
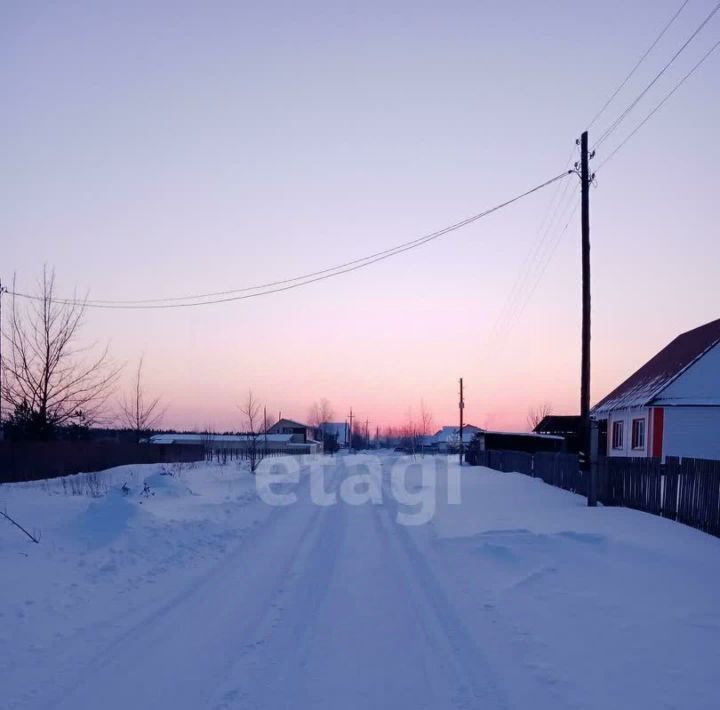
[[390, 436], [537, 414], [320, 413], [208, 439], [49, 380], [252, 414], [426, 422], [409, 434], [137, 412]]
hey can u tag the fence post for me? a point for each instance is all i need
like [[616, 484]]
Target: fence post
[[592, 489]]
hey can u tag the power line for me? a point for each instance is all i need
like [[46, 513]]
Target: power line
[[516, 295], [637, 64], [613, 127], [547, 257], [532, 255], [523, 288], [299, 281], [660, 104], [544, 262]]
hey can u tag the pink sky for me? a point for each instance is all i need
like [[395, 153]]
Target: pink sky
[[185, 148]]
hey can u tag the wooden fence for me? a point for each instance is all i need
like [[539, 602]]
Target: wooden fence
[[561, 470], [36, 460], [686, 490], [556, 468], [223, 455]]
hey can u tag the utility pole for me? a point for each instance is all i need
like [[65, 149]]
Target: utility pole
[[367, 433], [462, 407], [585, 179], [265, 426], [350, 429]]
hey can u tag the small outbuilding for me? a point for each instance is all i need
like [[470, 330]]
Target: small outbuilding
[[568, 426]]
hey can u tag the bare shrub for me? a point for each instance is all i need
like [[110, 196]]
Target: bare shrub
[[49, 380], [138, 412]]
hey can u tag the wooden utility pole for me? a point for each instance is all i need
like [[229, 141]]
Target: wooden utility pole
[[265, 427], [585, 179], [462, 407], [350, 429], [367, 433]]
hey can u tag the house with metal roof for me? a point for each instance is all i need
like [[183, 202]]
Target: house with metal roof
[[447, 439], [671, 405], [300, 433]]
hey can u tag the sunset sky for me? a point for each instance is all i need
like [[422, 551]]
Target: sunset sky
[[167, 148]]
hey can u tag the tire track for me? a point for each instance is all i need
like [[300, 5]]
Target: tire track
[[478, 685]]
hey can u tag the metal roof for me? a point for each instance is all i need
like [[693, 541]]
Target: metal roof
[[530, 434], [451, 434], [657, 373], [289, 422], [216, 438], [553, 423]]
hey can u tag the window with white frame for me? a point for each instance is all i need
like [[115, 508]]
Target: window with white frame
[[617, 435], [638, 434]]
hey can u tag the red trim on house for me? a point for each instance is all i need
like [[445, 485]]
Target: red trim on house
[[650, 434], [657, 429]]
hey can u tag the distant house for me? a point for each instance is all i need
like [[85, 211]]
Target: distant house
[[447, 439], [567, 426], [300, 433], [219, 442], [671, 405], [337, 429]]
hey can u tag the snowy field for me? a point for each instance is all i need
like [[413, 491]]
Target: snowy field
[[198, 594]]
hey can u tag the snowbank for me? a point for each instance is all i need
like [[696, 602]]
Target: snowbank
[[519, 596]]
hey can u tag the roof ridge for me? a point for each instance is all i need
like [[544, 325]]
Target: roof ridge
[[683, 370], [662, 369]]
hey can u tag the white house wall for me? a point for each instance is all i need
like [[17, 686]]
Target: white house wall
[[699, 384], [692, 432], [627, 416]]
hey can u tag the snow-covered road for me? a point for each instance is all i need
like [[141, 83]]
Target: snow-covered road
[[320, 607], [341, 606]]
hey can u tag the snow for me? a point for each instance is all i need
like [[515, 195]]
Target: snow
[[228, 439], [639, 394], [451, 434], [104, 520], [196, 594]]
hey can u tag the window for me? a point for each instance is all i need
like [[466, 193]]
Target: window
[[617, 435], [638, 434]]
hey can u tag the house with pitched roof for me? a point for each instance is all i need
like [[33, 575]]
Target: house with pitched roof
[[671, 405], [300, 433], [447, 439]]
